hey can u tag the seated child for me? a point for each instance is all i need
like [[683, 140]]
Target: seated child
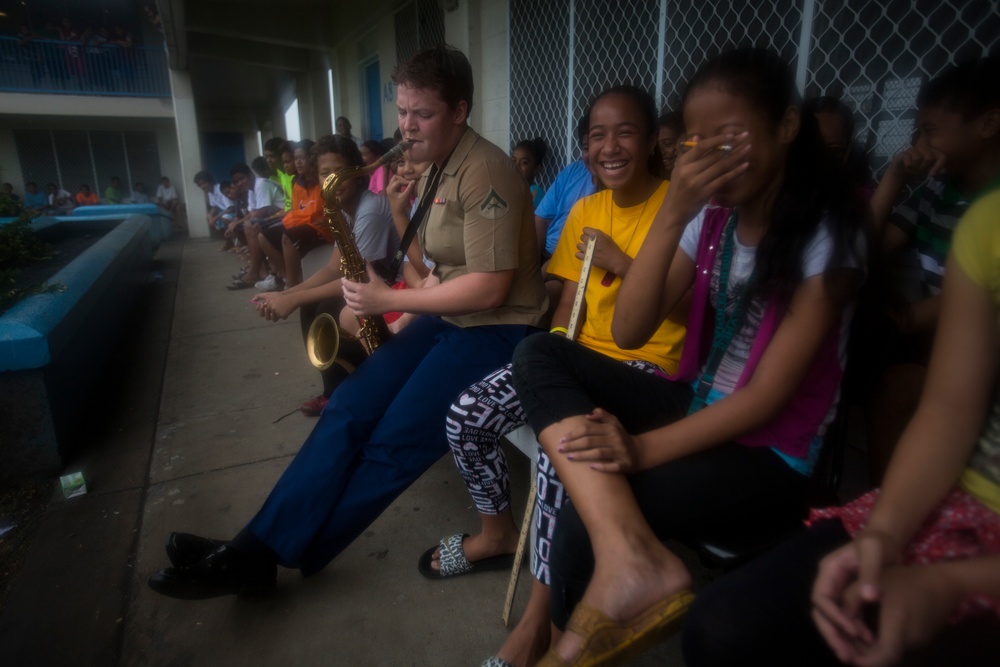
[[84, 197], [113, 193], [528, 155], [622, 123], [671, 133], [280, 163], [34, 199], [139, 195], [166, 195], [910, 571], [899, 322]]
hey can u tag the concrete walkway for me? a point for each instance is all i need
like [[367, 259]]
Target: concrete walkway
[[201, 433]]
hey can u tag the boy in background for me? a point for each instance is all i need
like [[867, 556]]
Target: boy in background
[[281, 162], [957, 149], [113, 193]]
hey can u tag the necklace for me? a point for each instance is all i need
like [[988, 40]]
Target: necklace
[[609, 277]]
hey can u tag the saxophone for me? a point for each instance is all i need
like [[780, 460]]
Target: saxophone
[[323, 339]]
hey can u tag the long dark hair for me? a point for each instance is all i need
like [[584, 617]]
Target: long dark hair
[[814, 186]]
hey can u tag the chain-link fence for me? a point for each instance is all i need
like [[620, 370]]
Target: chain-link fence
[[872, 54], [419, 24], [70, 158]]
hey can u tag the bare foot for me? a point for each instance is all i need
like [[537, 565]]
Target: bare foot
[[530, 638], [625, 588]]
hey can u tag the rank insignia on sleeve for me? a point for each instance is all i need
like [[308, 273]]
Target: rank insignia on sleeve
[[494, 206]]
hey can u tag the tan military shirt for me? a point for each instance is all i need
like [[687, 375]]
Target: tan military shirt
[[482, 220]]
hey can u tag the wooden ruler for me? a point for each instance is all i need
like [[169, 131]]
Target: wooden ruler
[[581, 289]]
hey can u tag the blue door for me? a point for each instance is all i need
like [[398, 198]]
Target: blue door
[[373, 91], [221, 150]]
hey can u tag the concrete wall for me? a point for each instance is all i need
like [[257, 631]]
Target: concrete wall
[[86, 105], [347, 85], [477, 27], [10, 166], [189, 154], [493, 81], [387, 63]]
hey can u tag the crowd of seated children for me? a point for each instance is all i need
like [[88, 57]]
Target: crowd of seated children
[[622, 129], [671, 133], [375, 236], [765, 235], [912, 240], [264, 203], [758, 244], [529, 155], [371, 151]]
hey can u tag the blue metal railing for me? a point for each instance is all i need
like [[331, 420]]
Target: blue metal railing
[[72, 68]]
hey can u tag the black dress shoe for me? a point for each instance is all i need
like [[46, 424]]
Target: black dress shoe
[[185, 549], [224, 571]]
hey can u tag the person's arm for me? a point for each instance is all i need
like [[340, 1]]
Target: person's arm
[[469, 293], [811, 314], [928, 459], [918, 161], [276, 306], [398, 191], [659, 275], [327, 273], [952, 409], [918, 601]]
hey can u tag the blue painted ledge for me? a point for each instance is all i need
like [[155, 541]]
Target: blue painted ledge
[[54, 346], [84, 216], [36, 330]]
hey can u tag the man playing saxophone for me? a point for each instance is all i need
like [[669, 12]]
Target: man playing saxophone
[[384, 425]]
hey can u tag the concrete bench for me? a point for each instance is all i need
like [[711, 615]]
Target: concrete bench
[[53, 346]]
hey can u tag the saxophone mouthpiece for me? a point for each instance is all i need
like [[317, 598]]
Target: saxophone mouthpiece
[[397, 151]]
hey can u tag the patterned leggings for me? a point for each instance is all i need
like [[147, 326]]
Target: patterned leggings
[[482, 415]]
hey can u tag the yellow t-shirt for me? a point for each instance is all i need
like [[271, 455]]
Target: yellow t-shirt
[[976, 248], [628, 228]]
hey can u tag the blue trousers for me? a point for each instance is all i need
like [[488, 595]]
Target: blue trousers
[[383, 427]]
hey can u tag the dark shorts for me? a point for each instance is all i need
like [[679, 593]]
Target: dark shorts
[[273, 234], [305, 238]]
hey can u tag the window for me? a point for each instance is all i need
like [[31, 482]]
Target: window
[[293, 132]]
